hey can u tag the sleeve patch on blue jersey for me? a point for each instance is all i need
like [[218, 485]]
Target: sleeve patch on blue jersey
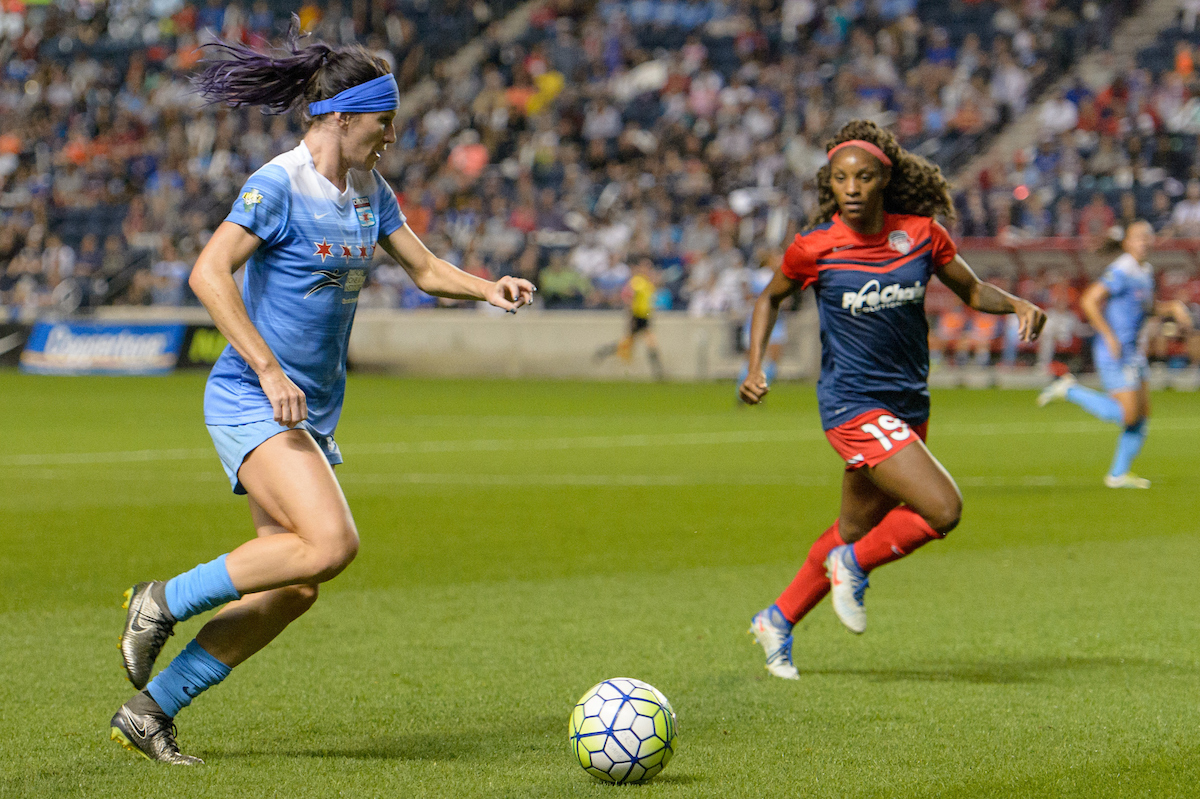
[[251, 199]]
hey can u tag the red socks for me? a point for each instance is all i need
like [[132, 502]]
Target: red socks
[[900, 533], [810, 584]]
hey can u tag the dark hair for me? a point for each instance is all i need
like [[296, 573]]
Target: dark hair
[[916, 186], [292, 76], [1114, 244]]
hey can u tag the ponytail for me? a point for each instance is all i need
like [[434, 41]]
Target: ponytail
[[296, 76]]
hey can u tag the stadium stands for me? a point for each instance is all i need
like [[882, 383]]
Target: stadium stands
[[685, 130]]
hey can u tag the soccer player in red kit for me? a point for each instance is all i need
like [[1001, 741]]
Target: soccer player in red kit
[[869, 257]]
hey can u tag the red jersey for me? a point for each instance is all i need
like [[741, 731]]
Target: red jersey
[[871, 300]]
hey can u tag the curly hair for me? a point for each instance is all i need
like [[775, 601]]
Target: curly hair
[[916, 186]]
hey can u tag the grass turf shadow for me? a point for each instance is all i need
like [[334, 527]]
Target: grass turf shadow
[[415, 747], [1005, 672]]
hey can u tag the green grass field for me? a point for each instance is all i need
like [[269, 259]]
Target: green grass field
[[522, 541]]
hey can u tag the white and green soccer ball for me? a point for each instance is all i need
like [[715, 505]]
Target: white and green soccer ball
[[623, 730]]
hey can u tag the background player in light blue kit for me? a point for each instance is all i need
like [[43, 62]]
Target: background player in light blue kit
[[1116, 306], [305, 226]]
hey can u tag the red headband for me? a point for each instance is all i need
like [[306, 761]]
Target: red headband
[[862, 145]]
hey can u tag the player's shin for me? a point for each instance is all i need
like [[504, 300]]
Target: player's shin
[[1128, 446], [900, 533], [192, 672], [810, 584], [1102, 406], [203, 588]]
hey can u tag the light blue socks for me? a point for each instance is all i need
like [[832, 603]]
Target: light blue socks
[[1102, 406], [1128, 447], [203, 588], [192, 672]]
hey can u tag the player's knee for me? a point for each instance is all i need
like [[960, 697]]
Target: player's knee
[[945, 514], [333, 553]]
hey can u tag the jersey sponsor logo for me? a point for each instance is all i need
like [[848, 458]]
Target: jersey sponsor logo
[[332, 279], [362, 209], [872, 297], [900, 241], [251, 199]]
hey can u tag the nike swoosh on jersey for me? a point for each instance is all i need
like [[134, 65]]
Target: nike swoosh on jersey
[[319, 216]]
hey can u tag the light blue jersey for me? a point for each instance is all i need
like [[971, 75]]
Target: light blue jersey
[[1130, 288], [301, 285]]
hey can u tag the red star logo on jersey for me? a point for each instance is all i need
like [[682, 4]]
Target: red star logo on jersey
[[347, 252], [362, 253], [324, 249]]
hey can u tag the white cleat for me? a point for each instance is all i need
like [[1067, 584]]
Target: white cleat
[[1127, 480], [847, 583], [1056, 390], [774, 634]]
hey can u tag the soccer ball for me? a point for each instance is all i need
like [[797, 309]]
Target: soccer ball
[[623, 730]]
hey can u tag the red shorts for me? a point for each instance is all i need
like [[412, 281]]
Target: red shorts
[[871, 438]]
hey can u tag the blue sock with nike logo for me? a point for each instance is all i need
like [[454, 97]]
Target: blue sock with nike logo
[[192, 672], [203, 588]]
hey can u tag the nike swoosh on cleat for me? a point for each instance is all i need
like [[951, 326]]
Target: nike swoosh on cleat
[[141, 731]]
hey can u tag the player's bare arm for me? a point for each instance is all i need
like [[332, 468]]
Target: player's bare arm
[[212, 281], [1177, 310], [989, 298], [441, 278], [1092, 303], [766, 311]]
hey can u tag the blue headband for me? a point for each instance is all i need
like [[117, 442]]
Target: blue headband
[[380, 94]]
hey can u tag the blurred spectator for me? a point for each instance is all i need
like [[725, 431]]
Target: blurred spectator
[[170, 275], [1185, 218], [1096, 217], [559, 286]]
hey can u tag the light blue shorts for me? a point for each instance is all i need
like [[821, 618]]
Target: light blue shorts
[[235, 441], [1127, 374]]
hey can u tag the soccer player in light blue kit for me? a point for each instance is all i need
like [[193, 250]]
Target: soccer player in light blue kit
[[1116, 306], [305, 226]]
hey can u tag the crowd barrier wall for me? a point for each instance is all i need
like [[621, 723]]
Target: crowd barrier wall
[[538, 343]]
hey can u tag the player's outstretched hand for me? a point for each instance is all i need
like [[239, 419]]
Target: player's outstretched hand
[[753, 388], [510, 293], [1031, 318], [287, 400]]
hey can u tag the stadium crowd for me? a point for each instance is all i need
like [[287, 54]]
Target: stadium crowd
[[688, 131]]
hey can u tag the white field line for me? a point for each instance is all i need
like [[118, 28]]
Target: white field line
[[579, 480], [598, 442]]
